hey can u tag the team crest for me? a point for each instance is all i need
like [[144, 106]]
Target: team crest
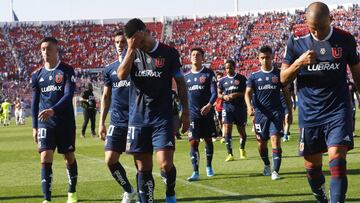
[[159, 62], [202, 79], [237, 82], [58, 78], [336, 52], [322, 51], [275, 79]]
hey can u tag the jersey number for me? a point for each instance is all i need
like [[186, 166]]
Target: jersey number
[[131, 133], [258, 128], [42, 133], [111, 130]]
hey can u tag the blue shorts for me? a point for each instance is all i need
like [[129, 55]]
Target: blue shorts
[[317, 139], [202, 128], [265, 127], [116, 139], [61, 137], [145, 139], [236, 115]]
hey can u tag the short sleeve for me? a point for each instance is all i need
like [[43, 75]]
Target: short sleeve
[[34, 82], [176, 64], [353, 54], [289, 55], [107, 79], [250, 81]]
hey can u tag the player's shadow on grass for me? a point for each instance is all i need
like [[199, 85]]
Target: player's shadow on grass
[[27, 197]]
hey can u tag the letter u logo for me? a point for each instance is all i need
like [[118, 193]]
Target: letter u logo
[[58, 78], [336, 52]]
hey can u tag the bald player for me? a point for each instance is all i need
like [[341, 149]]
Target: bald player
[[318, 59]]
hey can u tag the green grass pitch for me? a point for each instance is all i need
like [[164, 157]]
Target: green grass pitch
[[238, 181]]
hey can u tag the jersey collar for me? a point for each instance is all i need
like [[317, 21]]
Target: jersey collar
[[155, 47], [267, 71], [52, 69], [231, 76], [326, 38], [192, 71]]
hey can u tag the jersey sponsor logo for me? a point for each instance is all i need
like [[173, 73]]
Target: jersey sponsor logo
[[41, 80], [59, 78], [51, 88], [232, 88], [196, 87], [202, 79], [336, 52], [267, 87], [148, 73], [122, 83], [324, 66], [159, 62], [275, 79]]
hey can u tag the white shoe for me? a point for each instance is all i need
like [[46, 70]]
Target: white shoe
[[275, 176], [267, 170], [127, 197]]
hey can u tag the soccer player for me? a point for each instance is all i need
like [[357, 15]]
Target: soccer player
[[318, 59], [116, 97], [151, 66], [218, 111], [353, 93], [231, 89], [263, 101], [286, 123], [201, 88], [53, 119], [6, 106]]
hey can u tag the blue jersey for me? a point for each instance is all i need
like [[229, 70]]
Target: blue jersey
[[235, 84], [266, 88], [201, 88], [151, 75], [322, 89], [53, 88], [119, 95]]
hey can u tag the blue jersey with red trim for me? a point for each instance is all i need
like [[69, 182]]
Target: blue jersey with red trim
[[150, 96], [322, 90], [119, 95], [201, 88], [53, 88], [266, 88]]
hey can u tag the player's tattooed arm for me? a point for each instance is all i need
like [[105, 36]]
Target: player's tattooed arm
[[289, 72], [181, 88], [250, 108], [287, 98], [104, 109], [125, 67]]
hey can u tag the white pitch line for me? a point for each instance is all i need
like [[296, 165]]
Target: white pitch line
[[210, 188]]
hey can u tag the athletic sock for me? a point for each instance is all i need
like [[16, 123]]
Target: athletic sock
[[46, 180], [146, 186], [338, 180], [119, 174], [169, 180]]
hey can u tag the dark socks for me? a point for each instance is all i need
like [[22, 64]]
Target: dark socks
[[338, 180], [46, 179], [146, 186], [316, 181], [169, 180], [119, 174]]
